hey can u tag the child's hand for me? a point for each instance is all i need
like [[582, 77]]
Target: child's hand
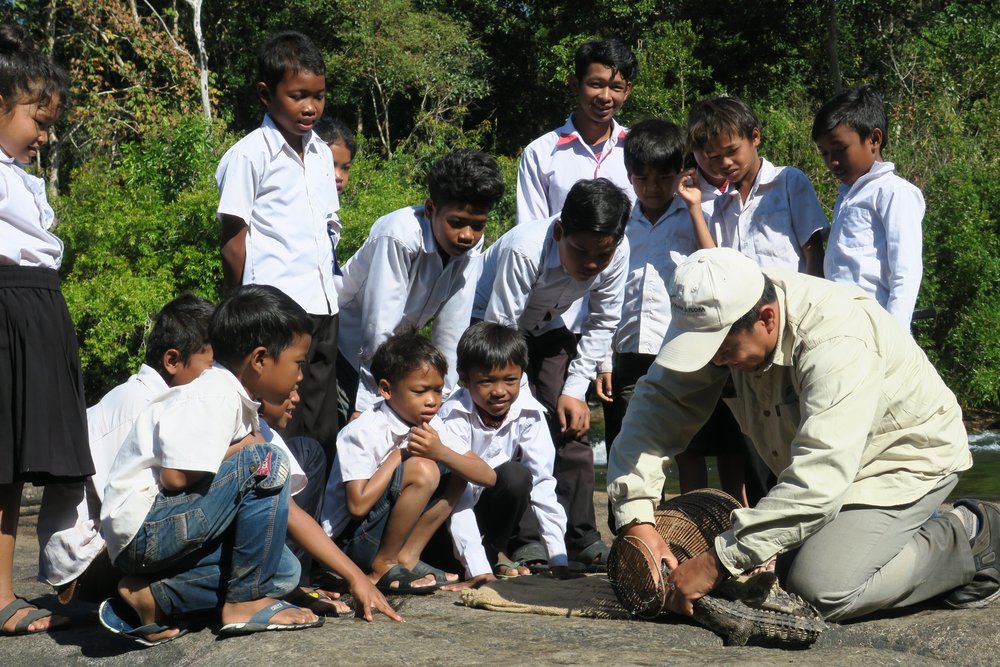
[[562, 572], [574, 416], [367, 597], [689, 189], [425, 442], [603, 387], [474, 582]]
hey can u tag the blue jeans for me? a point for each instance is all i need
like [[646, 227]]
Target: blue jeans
[[222, 540], [361, 538]]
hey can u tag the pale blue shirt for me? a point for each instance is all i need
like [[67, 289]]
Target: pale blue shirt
[[876, 240], [397, 281], [524, 285]]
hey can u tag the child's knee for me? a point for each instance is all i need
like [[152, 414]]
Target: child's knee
[[513, 479], [421, 472]]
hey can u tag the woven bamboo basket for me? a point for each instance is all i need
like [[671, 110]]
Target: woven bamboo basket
[[689, 524]]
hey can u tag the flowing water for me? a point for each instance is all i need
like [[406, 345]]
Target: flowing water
[[981, 481]]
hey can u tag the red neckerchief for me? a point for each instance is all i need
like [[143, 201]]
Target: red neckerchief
[[489, 421]]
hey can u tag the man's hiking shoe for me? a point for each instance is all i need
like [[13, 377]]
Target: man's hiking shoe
[[985, 585]]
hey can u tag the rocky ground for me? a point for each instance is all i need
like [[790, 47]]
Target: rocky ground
[[438, 630]]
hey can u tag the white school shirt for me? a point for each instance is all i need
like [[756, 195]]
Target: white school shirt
[[551, 165], [188, 428], [25, 219], [655, 250], [397, 281], [876, 240], [780, 215], [709, 193], [524, 285], [288, 203], [69, 524], [523, 430], [362, 446]]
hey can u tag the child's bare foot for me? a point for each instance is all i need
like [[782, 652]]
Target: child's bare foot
[[41, 624], [136, 593], [242, 612]]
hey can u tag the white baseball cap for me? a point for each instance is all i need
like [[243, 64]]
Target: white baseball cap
[[710, 290]]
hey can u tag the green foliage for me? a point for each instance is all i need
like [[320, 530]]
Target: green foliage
[[138, 232]]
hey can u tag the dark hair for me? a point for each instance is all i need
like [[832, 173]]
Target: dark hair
[[489, 345], [287, 51], [27, 76], [256, 316], [597, 206], [745, 323], [717, 116], [466, 177], [654, 144], [183, 325], [612, 53], [332, 130], [860, 109], [404, 353]]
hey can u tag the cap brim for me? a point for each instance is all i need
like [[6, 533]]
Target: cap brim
[[689, 351]]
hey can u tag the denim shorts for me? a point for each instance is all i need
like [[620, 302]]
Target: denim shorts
[[361, 538]]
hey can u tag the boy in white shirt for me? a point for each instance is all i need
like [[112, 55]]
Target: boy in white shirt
[[663, 230], [506, 428], [770, 214], [196, 505], [531, 276], [276, 205], [419, 263], [391, 488], [178, 349], [875, 240]]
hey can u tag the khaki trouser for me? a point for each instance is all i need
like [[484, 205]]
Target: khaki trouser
[[871, 558]]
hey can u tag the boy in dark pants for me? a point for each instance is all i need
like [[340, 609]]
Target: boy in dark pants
[[531, 276]]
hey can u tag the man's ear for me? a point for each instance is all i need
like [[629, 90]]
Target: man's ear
[[385, 389], [429, 208], [573, 83], [171, 362], [769, 316], [557, 231]]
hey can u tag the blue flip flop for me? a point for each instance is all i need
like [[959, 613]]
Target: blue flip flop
[[260, 622], [121, 619]]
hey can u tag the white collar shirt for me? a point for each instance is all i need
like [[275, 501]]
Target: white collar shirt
[[780, 215], [709, 193], [876, 240], [362, 447], [523, 430], [69, 538], [289, 204], [187, 428], [25, 219], [397, 281], [655, 250], [524, 285], [552, 164]]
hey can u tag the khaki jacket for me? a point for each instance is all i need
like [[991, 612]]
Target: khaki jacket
[[848, 412]]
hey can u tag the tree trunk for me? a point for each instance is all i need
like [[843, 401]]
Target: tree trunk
[[55, 155], [199, 38], [832, 55]]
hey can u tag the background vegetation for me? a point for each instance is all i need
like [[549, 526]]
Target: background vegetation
[[162, 87]]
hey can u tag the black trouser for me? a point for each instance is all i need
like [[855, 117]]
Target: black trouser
[[500, 507], [316, 415], [309, 455], [549, 356]]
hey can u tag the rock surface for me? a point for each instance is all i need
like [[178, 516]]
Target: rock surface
[[438, 630]]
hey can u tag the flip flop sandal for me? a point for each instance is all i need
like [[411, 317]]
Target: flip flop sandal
[[404, 579], [318, 603], [510, 565], [121, 619], [260, 622], [422, 569], [21, 627], [594, 557], [533, 555]]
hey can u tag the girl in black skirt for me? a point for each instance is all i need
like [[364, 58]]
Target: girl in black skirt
[[43, 433]]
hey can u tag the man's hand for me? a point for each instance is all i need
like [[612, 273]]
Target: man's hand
[[424, 441], [574, 416], [693, 579], [661, 552], [474, 582], [603, 387]]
